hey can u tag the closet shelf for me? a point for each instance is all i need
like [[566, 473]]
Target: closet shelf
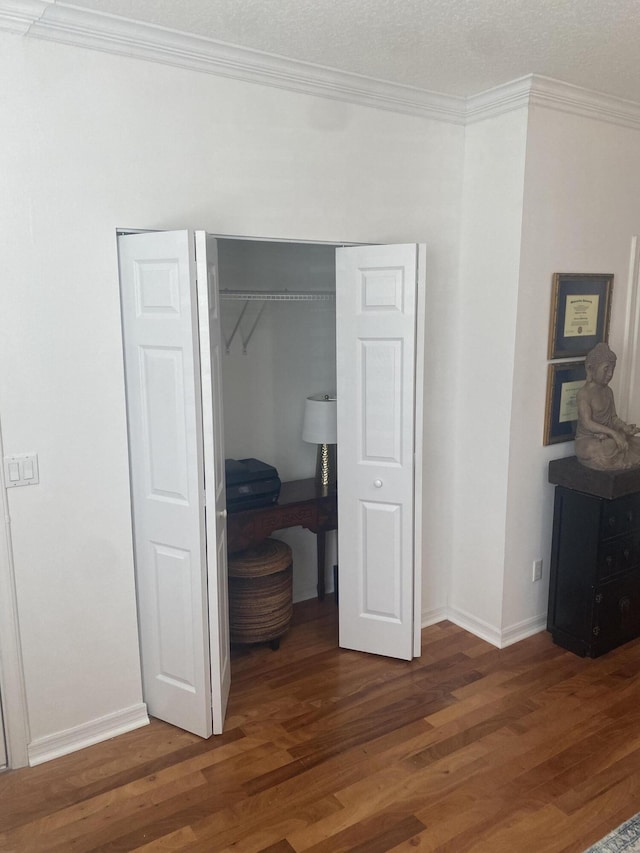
[[265, 296], [278, 295]]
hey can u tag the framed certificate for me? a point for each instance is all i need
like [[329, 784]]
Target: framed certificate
[[564, 380], [580, 312]]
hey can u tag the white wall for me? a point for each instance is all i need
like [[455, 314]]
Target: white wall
[[483, 352], [581, 208], [90, 142]]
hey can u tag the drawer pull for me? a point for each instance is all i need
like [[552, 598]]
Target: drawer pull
[[612, 521], [598, 598], [596, 631], [624, 604]]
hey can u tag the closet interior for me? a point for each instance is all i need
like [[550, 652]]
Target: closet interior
[[277, 308]]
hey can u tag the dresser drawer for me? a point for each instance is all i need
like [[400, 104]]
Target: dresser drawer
[[616, 612], [619, 516], [616, 556]]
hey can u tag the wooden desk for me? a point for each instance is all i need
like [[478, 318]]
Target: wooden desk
[[302, 503]]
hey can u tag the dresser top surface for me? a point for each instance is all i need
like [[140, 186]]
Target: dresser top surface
[[572, 474]]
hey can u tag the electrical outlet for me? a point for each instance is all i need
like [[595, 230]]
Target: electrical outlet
[[537, 570]]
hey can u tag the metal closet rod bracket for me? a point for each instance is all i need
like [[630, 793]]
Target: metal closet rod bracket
[[265, 296]]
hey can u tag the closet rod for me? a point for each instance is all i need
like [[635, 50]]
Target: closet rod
[[264, 296], [278, 295]]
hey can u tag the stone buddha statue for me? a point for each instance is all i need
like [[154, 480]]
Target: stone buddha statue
[[603, 440]]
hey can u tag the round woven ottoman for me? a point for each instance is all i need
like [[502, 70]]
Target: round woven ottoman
[[260, 593]]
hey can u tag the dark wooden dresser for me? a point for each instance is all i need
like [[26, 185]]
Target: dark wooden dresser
[[594, 591]]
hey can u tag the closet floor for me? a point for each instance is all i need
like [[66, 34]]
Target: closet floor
[[314, 630]]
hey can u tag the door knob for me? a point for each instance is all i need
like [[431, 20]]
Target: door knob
[[223, 513], [377, 484]]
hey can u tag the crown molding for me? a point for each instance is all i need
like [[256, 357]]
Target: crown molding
[[535, 90], [17, 16], [59, 22], [567, 98], [109, 33], [499, 100]]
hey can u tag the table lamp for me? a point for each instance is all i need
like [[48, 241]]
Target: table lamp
[[320, 427]]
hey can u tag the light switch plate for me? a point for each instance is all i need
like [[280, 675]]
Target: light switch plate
[[21, 470]]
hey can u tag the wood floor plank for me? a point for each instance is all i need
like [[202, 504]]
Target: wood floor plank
[[377, 834], [267, 831]]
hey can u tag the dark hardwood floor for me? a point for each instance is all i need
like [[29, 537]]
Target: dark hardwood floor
[[525, 750]]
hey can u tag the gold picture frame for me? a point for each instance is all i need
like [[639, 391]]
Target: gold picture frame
[[564, 380], [580, 313]]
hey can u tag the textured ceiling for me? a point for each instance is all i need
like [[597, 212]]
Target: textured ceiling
[[456, 47]]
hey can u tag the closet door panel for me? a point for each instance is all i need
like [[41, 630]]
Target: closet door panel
[[214, 480], [376, 298], [164, 414]]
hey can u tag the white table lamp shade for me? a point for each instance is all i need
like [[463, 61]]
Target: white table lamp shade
[[320, 419]]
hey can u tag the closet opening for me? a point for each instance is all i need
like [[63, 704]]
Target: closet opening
[[278, 322], [224, 341]]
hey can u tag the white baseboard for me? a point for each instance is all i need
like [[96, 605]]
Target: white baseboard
[[475, 626], [501, 638], [69, 740], [432, 617], [307, 593], [521, 630]]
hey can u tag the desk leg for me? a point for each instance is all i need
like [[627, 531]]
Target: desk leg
[[320, 545]]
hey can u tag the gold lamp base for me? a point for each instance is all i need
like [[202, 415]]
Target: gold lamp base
[[326, 465]]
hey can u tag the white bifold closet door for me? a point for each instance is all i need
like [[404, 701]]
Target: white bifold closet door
[[172, 350], [379, 297]]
